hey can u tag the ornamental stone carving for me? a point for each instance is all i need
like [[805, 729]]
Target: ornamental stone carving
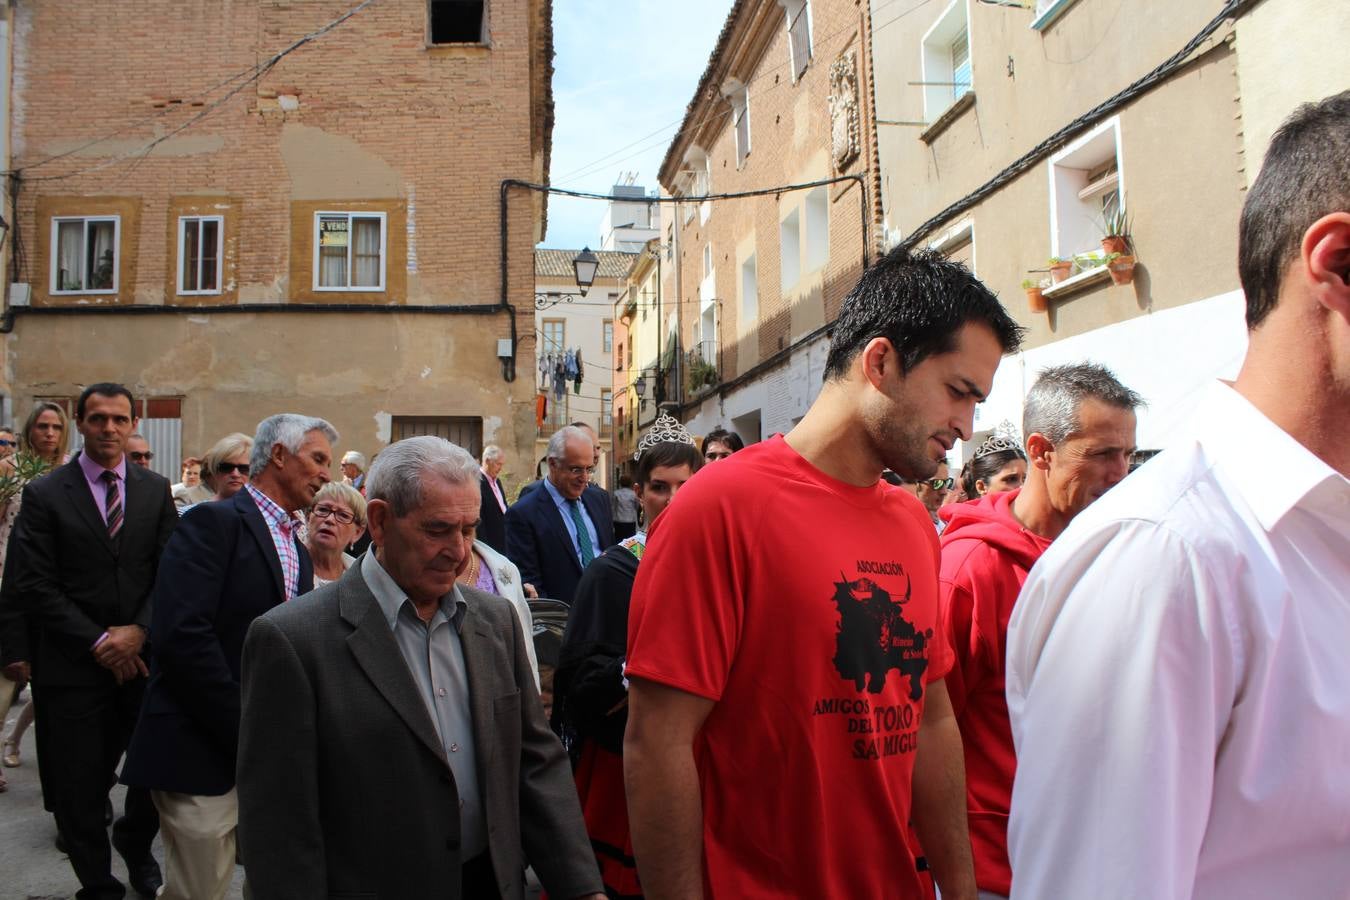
[[845, 125]]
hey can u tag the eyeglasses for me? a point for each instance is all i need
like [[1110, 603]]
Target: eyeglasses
[[5, 443], [575, 471], [341, 516], [940, 484], [138, 455], [226, 468]]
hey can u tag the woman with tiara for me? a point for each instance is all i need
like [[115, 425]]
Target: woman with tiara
[[590, 708]]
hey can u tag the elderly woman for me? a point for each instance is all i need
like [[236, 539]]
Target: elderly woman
[[335, 522], [42, 446], [354, 470], [225, 466], [489, 571]]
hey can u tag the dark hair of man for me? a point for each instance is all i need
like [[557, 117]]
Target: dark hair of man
[[625, 481], [1052, 404], [1302, 179], [104, 389], [918, 302], [729, 439], [984, 468], [667, 453]]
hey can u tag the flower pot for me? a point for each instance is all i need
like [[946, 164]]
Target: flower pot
[[1036, 300], [1060, 270], [1115, 244], [1122, 270]]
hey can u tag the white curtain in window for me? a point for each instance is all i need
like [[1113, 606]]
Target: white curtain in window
[[69, 249], [366, 252], [102, 261], [333, 238]]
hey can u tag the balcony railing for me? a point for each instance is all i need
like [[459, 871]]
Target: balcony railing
[[703, 365]]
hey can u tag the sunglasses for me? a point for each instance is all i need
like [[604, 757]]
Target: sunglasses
[[138, 455], [940, 484], [5, 443], [226, 468], [341, 516]]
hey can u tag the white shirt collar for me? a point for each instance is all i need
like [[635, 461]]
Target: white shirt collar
[[1275, 472]]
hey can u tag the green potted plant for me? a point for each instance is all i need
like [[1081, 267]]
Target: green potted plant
[[1116, 230], [1060, 268], [1036, 301], [1121, 266]]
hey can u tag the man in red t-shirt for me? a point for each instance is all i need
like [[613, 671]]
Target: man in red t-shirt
[[1079, 422], [784, 648]]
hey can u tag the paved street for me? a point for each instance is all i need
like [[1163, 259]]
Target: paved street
[[31, 868]]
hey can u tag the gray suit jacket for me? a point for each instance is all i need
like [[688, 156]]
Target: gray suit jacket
[[344, 788]]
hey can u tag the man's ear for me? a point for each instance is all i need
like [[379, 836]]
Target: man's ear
[[1326, 258], [279, 454], [377, 520], [879, 360], [1039, 450]]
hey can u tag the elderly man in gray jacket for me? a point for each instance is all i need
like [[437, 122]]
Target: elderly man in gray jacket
[[392, 741]]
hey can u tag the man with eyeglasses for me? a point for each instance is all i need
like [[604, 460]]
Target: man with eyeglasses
[[138, 450], [228, 562], [553, 534], [933, 493]]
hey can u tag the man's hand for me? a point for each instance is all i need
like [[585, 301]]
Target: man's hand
[[124, 672], [530, 591], [122, 646], [19, 673]]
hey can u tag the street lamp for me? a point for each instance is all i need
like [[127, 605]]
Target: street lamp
[[641, 386], [584, 266]]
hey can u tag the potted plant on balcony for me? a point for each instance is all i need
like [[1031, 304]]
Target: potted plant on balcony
[[1036, 301], [1116, 230], [701, 372], [1121, 266], [1060, 268]]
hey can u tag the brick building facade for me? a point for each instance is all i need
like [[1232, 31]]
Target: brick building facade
[[244, 234]]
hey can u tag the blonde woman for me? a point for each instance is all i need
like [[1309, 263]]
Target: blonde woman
[[335, 522]]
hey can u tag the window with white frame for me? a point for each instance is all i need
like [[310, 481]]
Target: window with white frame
[[201, 242], [607, 336], [739, 99], [947, 74], [817, 228], [799, 34], [707, 260], [790, 250], [606, 408], [456, 21], [554, 334], [749, 295], [1087, 184], [349, 251], [85, 254]]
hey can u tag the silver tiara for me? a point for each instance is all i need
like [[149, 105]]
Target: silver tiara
[[666, 429], [997, 443]]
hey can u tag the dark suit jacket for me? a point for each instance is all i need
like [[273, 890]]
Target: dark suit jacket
[[491, 519], [72, 580], [344, 787], [219, 572], [538, 543]]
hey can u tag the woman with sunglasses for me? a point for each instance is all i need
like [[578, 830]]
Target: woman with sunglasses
[[335, 522], [42, 446], [225, 468]]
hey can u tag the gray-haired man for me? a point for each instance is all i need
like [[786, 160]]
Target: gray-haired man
[[393, 743], [226, 564], [492, 512]]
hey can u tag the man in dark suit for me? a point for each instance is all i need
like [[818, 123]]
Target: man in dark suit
[[392, 741], [554, 532], [492, 512], [227, 564], [83, 556]]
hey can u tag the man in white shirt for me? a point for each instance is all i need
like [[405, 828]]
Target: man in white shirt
[[1178, 680]]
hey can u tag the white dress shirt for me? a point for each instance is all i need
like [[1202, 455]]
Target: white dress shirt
[[1178, 679]]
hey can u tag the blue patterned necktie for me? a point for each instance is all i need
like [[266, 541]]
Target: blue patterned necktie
[[583, 536], [113, 503]]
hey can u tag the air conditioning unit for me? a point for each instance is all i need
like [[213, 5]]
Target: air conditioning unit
[[20, 293]]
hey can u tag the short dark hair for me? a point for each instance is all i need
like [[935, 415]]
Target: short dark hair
[[722, 436], [1302, 179], [667, 453], [104, 389], [918, 301]]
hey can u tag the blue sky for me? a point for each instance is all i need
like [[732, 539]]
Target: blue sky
[[624, 74]]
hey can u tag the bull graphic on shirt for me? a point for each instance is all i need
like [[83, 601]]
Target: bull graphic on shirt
[[874, 637]]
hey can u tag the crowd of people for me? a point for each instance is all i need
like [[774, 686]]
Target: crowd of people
[[816, 666]]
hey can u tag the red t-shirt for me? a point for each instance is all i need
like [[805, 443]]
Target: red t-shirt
[[807, 609]]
